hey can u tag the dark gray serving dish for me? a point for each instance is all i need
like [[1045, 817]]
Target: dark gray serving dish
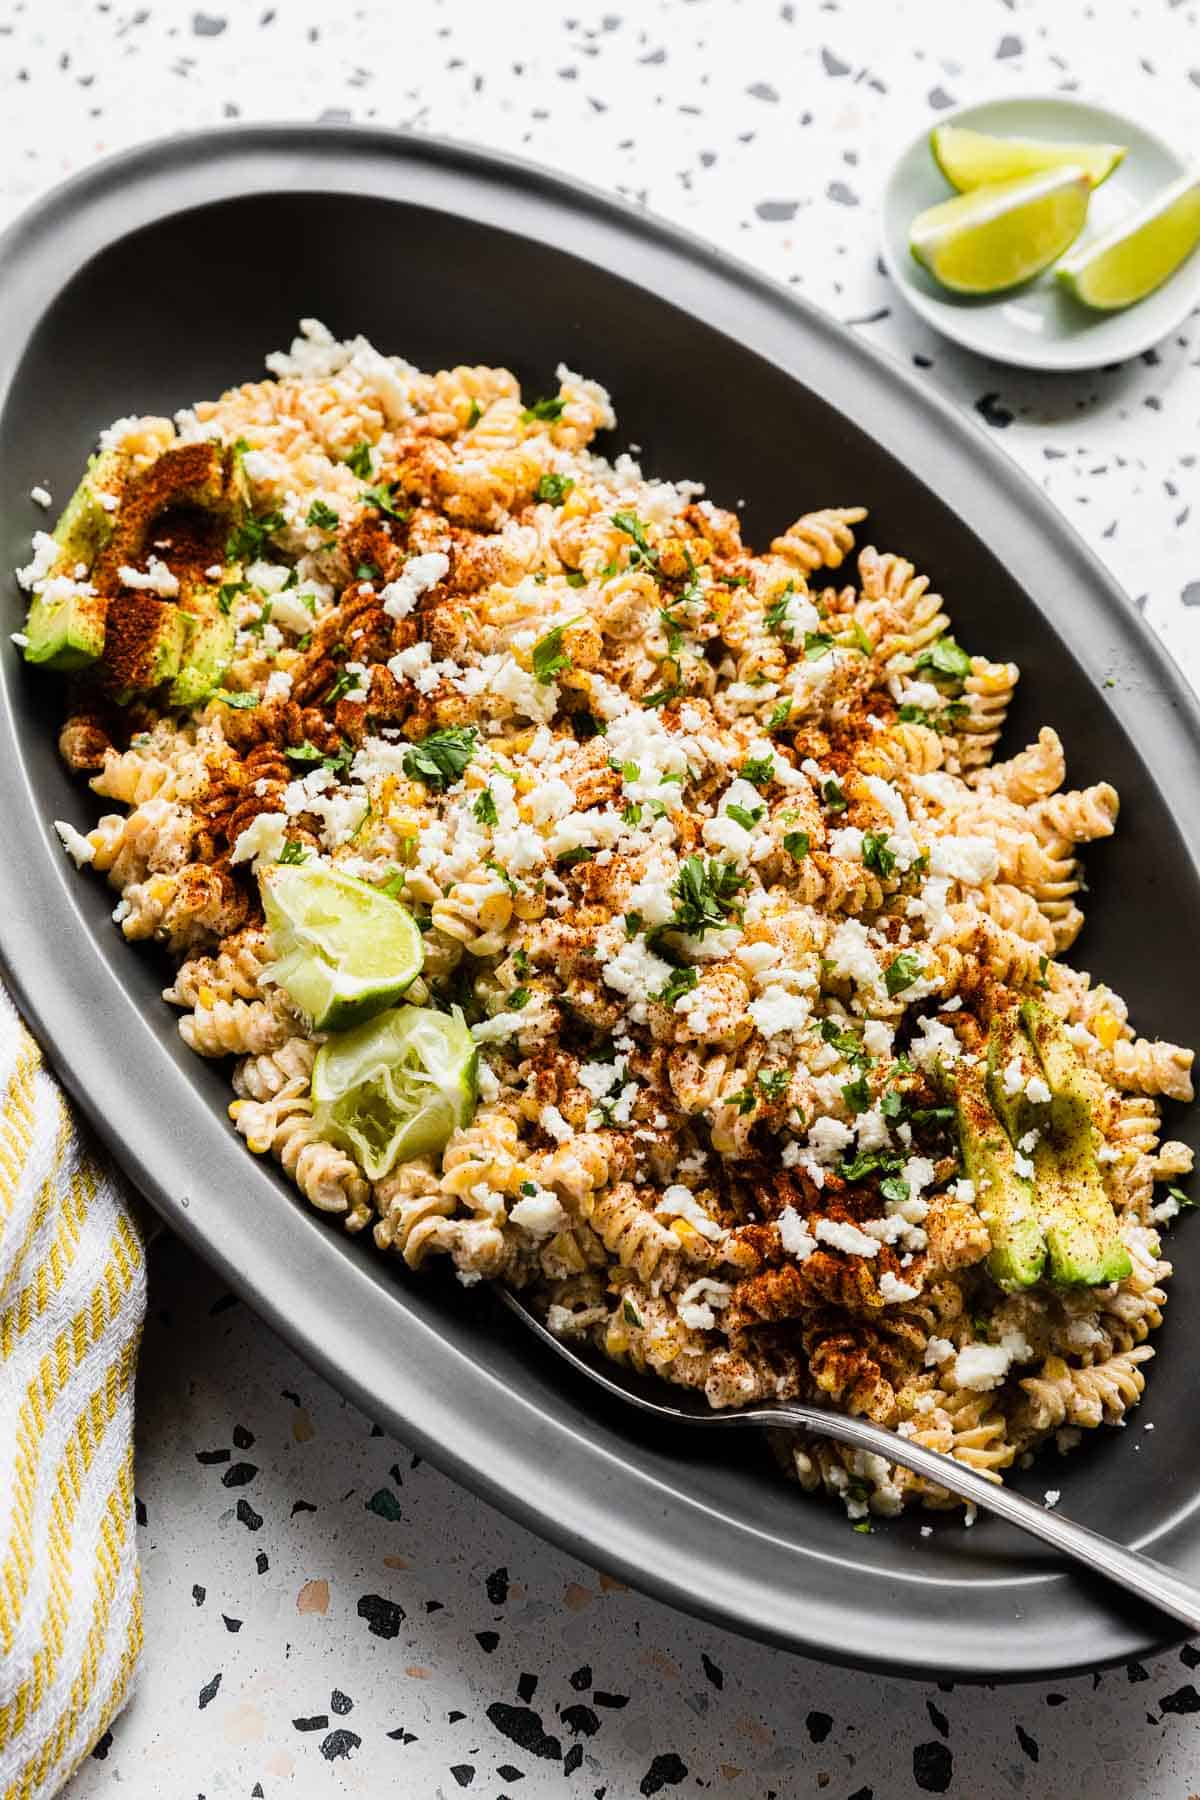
[[165, 275]]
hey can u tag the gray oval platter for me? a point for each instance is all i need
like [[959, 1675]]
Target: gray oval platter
[[165, 275]]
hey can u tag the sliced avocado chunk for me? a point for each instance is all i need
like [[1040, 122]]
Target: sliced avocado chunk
[[1009, 1050], [145, 644], [1081, 1227], [65, 632], [85, 524], [190, 475], [1005, 1199], [207, 652]]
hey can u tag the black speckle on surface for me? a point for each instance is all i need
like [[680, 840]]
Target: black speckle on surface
[[991, 412], [400, 1736], [937, 1719], [667, 1770], [139, 1511], [338, 1745], [714, 1674], [214, 1456], [939, 99], [300, 1506], [340, 1703], [922, 362], [933, 1768], [496, 1586], [233, 1625], [1189, 1656], [239, 1474], [463, 1773], [863, 1794], [819, 1725], [250, 1519], [845, 196], [242, 1438], [1191, 594], [208, 24], [262, 1562], [523, 1726], [1028, 1744], [318, 1722], [833, 65], [209, 1691], [581, 1678], [762, 90], [223, 1304], [384, 1617], [1136, 1672], [198, 1593], [102, 1746], [526, 1686], [1009, 45], [1183, 1700], [580, 1720], [572, 1759], [1056, 1699], [776, 211], [384, 1504], [614, 1700], [487, 1640]]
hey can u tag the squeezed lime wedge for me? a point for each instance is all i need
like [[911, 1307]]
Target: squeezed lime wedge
[[1138, 253], [970, 159], [999, 235], [344, 951], [397, 1086]]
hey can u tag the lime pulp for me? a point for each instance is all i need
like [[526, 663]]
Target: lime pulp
[[396, 1087], [997, 236], [971, 159], [1139, 253], [344, 951]]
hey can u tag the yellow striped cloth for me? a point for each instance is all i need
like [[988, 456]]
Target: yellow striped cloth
[[72, 1298]]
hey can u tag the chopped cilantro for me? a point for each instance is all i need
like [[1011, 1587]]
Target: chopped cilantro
[[862, 1525], [744, 817], [549, 657], [553, 488], [774, 1082], [322, 516], [575, 579], [780, 716], [228, 592], [817, 644], [630, 1313], [248, 540], [346, 681], [440, 759], [745, 1102], [382, 496], [230, 699], [570, 858], [933, 1115], [776, 616], [517, 999], [394, 885], [891, 1104], [631, 813], [337, 760], [633, 527], [1179, 1197], [474, 416], [359, 461], [758, 769], [681, 982], [633, 924], [857, 1094], [293, 852], [504, 875], [546, 411], [894, 1187], [834, 798], [674, 635], [946, 658], [869, 1162], [705, 896], [366, 571], [796, 843], [664, 696], [877, 853], [901, 973], [485, 808]]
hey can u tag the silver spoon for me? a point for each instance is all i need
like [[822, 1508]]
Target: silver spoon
[[1129, 1569]]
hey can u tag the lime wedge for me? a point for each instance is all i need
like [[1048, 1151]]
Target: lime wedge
[[397, 1086], [995, 236], [344, 951], [1139, 253], [971, 159]]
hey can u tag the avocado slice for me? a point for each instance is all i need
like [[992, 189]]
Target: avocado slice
[[1005, 1199], [201, 475], [1008, 1047], [207, 651], [1082, 1233], [144, 645], [65, 627]]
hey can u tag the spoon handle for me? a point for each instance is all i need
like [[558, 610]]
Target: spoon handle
[[1128, 1569]]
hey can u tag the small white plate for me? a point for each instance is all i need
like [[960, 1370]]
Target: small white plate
[[1038, 325]]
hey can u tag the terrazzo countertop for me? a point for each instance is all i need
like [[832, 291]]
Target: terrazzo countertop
[[325, 1613]]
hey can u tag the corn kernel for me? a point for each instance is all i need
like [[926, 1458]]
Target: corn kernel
[[1107, 1028]]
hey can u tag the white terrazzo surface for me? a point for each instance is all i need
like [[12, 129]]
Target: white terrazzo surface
[[322, 1617]]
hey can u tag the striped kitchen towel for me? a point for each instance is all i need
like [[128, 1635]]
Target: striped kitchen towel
[[72, 1297]]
